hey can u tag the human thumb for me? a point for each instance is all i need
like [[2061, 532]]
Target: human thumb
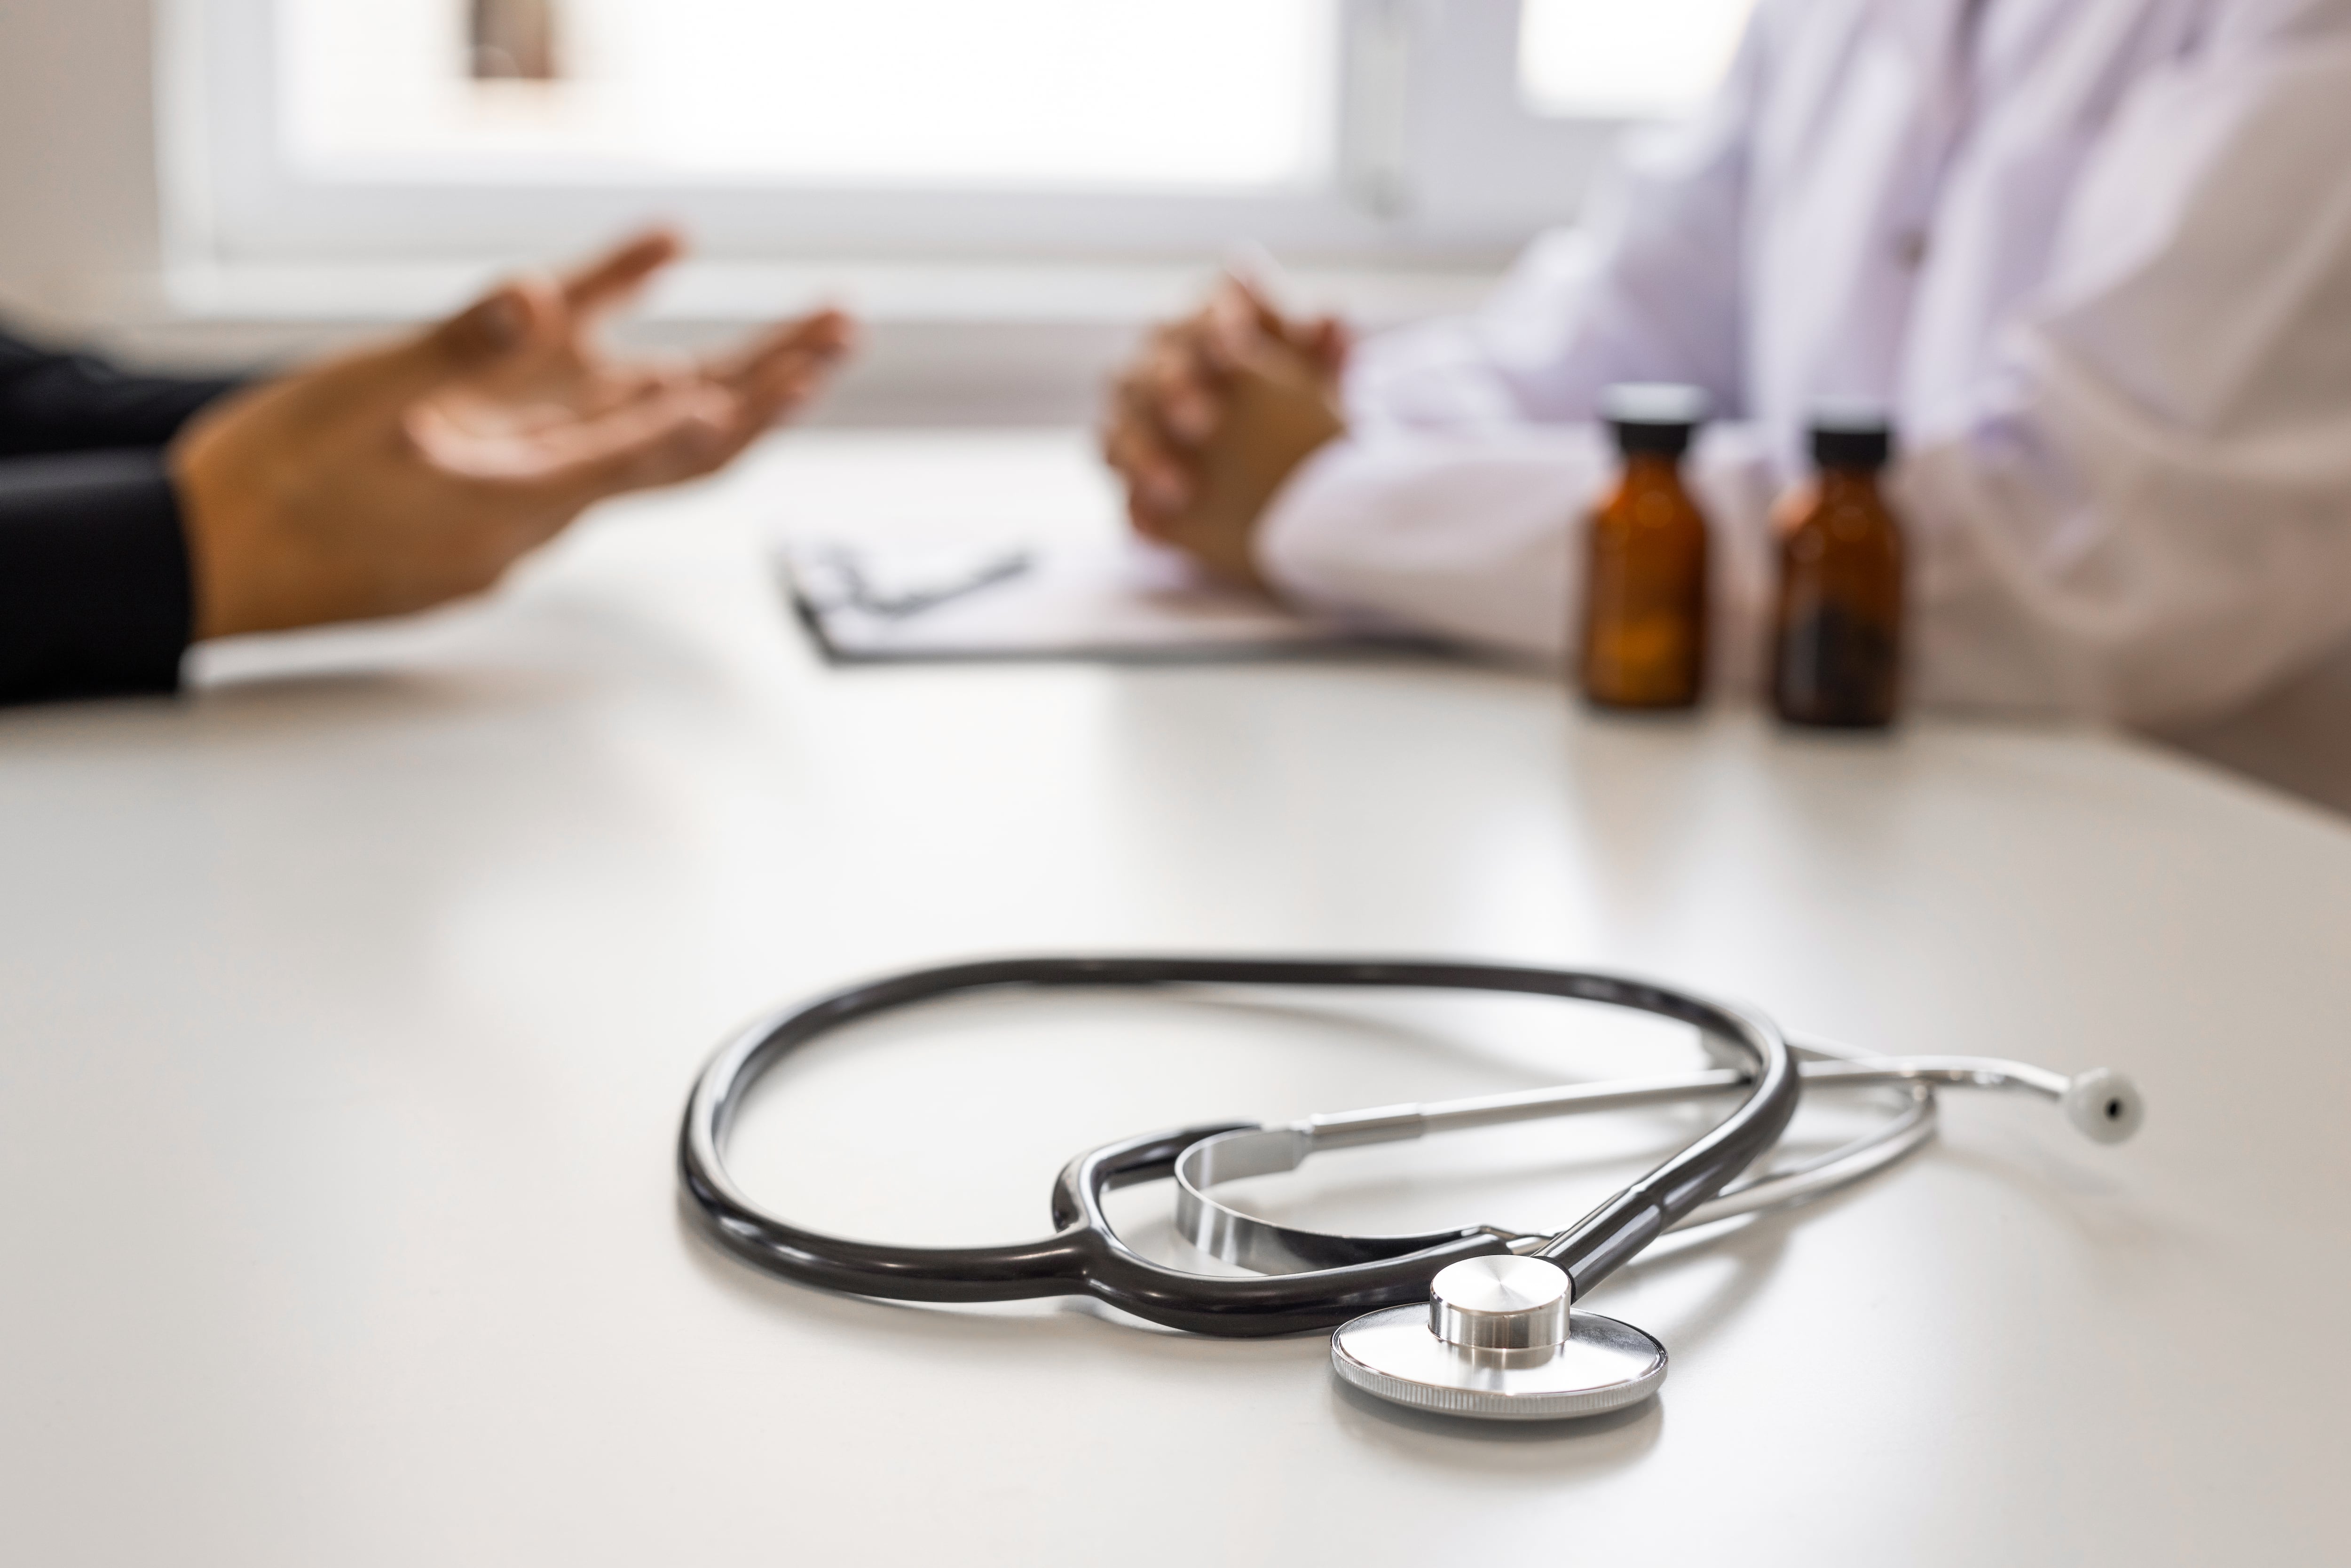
[[1327, 341], [493, 327], [381, 381]]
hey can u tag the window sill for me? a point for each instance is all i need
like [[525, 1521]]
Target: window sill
[[945, 343], [882, 292]]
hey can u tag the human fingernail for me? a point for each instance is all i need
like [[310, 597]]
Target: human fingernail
[[503, 320]]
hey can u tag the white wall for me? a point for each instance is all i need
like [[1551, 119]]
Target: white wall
[[77, 195]]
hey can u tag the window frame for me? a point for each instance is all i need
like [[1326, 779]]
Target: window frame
[[1437, 162]]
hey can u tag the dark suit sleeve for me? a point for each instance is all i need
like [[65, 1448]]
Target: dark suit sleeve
[[94, 586], [53, 402], [95, 593]]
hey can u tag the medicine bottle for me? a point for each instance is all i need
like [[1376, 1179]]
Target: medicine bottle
[[1644, 634], [1836, 654]]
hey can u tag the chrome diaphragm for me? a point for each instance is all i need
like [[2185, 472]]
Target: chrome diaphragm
[[1500, 1339]]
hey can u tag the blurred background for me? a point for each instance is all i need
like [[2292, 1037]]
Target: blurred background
[[1007, 189]]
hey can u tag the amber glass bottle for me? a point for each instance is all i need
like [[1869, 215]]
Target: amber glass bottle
[[1643, 642], [1836, 654]]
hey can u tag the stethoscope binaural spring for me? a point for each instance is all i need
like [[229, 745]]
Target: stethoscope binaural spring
[[1398, 1297]]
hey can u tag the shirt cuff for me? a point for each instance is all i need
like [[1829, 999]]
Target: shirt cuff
[[1478, 537], [95, 598], [1466, 538]]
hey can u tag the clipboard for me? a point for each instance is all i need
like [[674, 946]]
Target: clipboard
[[901, 602]]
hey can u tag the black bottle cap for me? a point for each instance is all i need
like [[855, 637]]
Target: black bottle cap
[[1652, 416], [1851, 433]]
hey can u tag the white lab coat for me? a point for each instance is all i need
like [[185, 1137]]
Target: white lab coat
[[2098, 266]]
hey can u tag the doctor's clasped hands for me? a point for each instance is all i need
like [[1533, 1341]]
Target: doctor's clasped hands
[[1215, 414]]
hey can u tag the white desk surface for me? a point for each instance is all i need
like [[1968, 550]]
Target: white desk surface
[[351, 1007]]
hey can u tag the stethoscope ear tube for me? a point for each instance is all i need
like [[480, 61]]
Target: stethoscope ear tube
[[1087, 1257], [1612, 1234]]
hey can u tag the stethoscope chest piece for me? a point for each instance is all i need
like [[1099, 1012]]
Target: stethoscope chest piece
[[1497, 1340]]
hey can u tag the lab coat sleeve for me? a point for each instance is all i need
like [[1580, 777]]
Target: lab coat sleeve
[[1465, 536], [1452, 505], [2148, 517], [1477, 535], [1646, 290]]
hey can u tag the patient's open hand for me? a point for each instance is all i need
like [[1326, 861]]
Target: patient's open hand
[[397, 478], [1213, 415]]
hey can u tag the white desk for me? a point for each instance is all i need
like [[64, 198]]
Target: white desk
[[350, 1009]]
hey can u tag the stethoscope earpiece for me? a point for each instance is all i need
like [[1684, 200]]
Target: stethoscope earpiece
[[2104, 1105]]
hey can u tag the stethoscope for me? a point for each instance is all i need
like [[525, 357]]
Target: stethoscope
[[1477, 1321]]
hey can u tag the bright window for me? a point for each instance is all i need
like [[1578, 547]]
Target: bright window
[[1604, 58], [1346, 131], [1035, 94]]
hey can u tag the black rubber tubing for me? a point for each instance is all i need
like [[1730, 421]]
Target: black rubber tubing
[[1086, 1256]]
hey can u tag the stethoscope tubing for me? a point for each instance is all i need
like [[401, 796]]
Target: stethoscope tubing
[[1231, 1233], [1235, 1236], [1086, 1256]]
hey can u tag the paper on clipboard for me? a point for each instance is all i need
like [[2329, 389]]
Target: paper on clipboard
[[896, 600]]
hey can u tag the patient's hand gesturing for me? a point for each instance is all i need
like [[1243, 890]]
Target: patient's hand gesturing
[[397, 478], [1214, 415]]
